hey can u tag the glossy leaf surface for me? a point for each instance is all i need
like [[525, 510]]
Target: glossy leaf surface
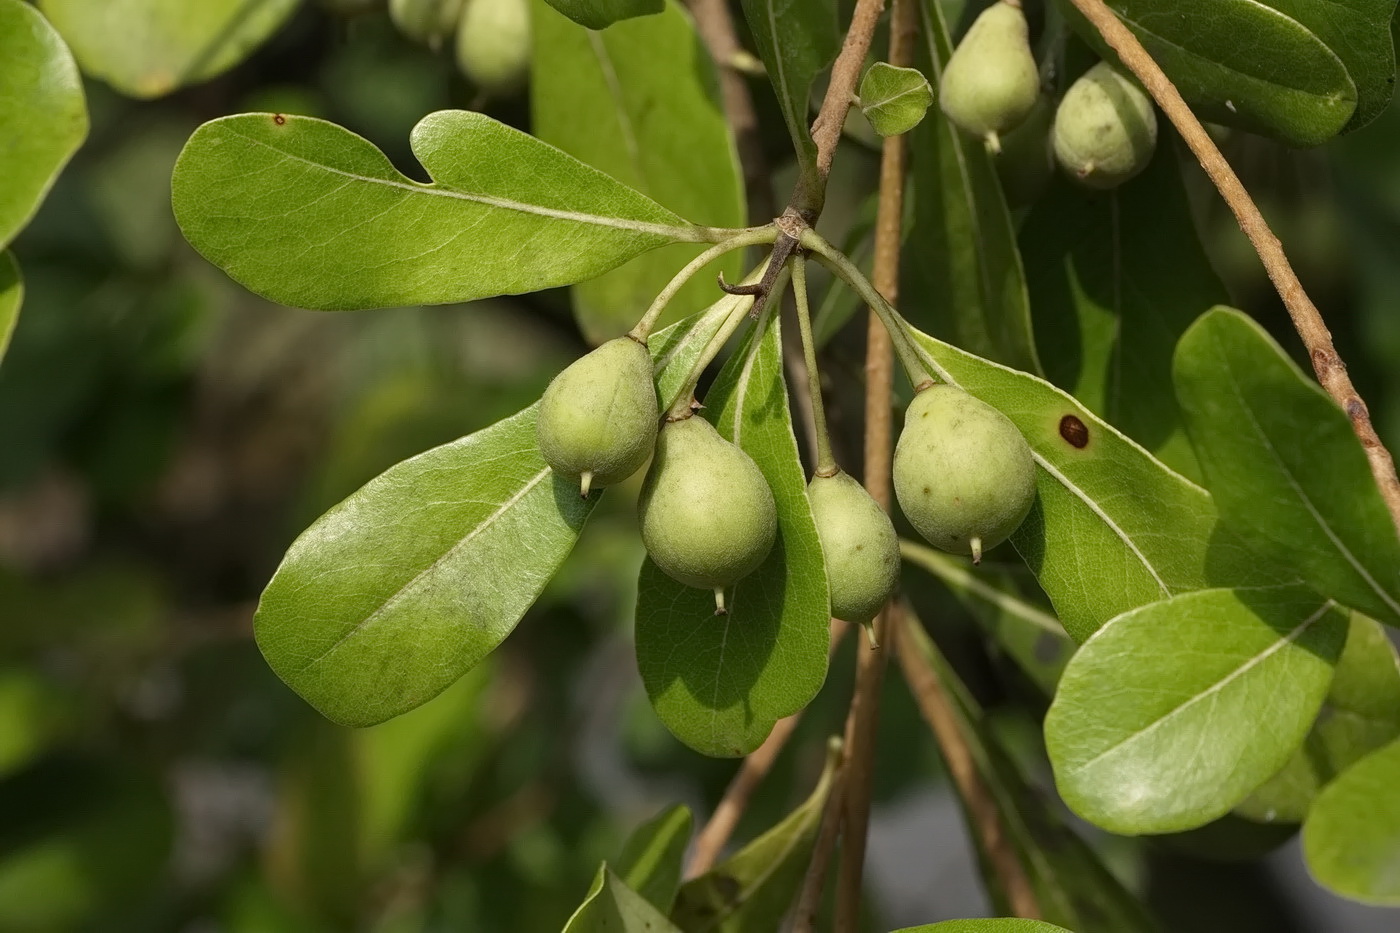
[[639, 101], [1172, 714], [1352, 836], [148, 48], [43, 117], [719, 683], [613, 907], [1284, 466], [963, 274], [599, 14], [1113, 291], [893, 99], [1241, 63], [307, 213], [1112, 528]]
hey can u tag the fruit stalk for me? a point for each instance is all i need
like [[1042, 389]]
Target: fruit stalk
[[826, 463], [741, 239]]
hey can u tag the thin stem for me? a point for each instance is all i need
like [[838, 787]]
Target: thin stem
[[1307, 320], [810, 195], [826, 463], [809, 900], [862, 722], [847, 271], [741, 239]]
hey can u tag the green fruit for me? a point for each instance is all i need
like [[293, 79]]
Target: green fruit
[[1105, 128], [963, 473], [1026, 164], [493, 44], [597, 420], [707, 514], [426, 21], [859, 544], [991, 82]]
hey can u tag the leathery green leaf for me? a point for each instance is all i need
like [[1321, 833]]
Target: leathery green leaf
[[893, 99], [1172, 714], [640, 101], [719, 683], [1352, 837], [599, 14], [754, 888], [613, 907], [43, 117], [307, 213], [148, 48], [651, 861], [1284, 465], [11, 298], [1112, 527]]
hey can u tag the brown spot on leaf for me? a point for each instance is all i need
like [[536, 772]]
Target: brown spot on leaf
[[279, 119], [1074, 431]]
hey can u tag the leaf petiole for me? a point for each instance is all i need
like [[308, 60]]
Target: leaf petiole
[[740, 239], [826, 463]]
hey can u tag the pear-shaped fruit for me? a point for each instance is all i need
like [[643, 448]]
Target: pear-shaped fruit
[[963, 473], [597, 420], [426, 21], [493, 44], [991, 82], [859, 544], [707, 514], [1105, 128]]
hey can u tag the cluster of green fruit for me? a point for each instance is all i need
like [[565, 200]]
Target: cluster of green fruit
[[963, 474], [1103, 132], [491, 38]]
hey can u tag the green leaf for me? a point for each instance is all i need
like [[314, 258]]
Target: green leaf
[[1284, 465], [720, 683], [1358, 31], [640, 102], [1352, 837], [1032, 637], [600, 14], [962, 263], [1240, 63], [991, 925], [11, 298], [1112, 528], [613, 907], [1115, 279], [1070, 883], [1361, 713], [754, 888], [796, 39], [893, 99], [393, 594], [307, 213], [43, 118], [148, 48], [652, 859], [1156, 727]]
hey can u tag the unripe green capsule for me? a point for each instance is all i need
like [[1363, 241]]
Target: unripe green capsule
[[991, 82], [707, 515], [598, 418], [1105, 128], [859, 545], [963, 473], [493, 44]]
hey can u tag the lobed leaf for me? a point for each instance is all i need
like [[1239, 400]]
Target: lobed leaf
[[893, 99], [306, 213], [1173, 713], [148, 48], [640, 103], [963, 265], [719, 683], [1241, 63], [43, 117], [1352, 837], [1284, 465]]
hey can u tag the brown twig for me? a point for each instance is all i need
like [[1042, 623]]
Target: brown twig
[[1331, 371], [809, 899], [879, 434], [714, 835], [983, 817], [810, 195]]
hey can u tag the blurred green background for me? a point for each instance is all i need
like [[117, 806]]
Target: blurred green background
[[164, 435]]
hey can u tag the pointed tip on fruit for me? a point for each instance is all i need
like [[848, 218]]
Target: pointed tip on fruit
[[585, 483], [720, 609], [869, 626], [976, 550], [993, 143]]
